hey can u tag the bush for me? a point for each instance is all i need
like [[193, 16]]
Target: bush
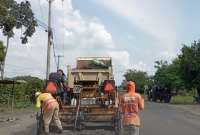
[[22, 92]]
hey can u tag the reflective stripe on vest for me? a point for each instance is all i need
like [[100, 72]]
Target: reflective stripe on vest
[[47, 102]]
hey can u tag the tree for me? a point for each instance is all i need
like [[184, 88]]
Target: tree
[[2, 52], [2, 57], [168, 75], [139, 77], [160, 77], [16, 15], [190, 65], [32, 83]]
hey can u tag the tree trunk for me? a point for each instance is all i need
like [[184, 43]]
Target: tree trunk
[[198, 91], [2, 70], [3, 63]]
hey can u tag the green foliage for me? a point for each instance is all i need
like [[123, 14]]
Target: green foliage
[[190, 65], [150, 82], [168, 75], [183, 72], [22, 92], [17, 15], [139, 77], [32, 83], [182, 99]]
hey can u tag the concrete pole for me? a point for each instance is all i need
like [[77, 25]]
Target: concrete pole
[[49, 41], [58, 64]]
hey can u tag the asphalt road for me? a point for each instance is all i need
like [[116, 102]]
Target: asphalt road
[[157, 119], [164, 119]]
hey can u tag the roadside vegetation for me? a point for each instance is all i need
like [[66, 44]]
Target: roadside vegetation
[[181, 75], [22, 96], [14, 16], [186, 99]]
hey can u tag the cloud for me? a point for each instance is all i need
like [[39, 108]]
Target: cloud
[[74, 36], [151, 18], [145, 14], [167, 55], [140, 66], [121, 59]]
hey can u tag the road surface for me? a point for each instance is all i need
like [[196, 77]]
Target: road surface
[[163, 119], [157, 119]]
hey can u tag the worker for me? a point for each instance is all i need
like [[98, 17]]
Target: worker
[[131, 103], [50, 109], [56, 84]]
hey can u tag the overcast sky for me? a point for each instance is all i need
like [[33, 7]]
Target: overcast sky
[[135, 33]]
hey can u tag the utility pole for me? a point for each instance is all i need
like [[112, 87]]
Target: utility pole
[[58, 64], [50, 36]]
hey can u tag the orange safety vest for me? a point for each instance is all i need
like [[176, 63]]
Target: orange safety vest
[[130, 109], [51, 87], [49, 103]]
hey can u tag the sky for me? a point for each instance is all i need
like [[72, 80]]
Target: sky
[[135, 33]]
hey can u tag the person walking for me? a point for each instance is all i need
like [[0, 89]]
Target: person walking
[[131, 104]]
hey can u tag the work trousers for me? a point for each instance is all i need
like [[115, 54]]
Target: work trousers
[[131, 130], [50, 114]]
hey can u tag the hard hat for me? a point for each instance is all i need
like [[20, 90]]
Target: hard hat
[[37, 93]]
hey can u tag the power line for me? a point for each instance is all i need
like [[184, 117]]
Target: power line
[[54, 52], [42, 24]]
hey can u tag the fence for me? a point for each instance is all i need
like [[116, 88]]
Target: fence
[[12, 95]]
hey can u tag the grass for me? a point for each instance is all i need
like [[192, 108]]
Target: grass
[[18, 106], [180, 99]]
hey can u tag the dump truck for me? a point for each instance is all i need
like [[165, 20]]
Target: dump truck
[[91, 100]]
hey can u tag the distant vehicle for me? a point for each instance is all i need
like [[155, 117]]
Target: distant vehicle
[[159, 94]]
